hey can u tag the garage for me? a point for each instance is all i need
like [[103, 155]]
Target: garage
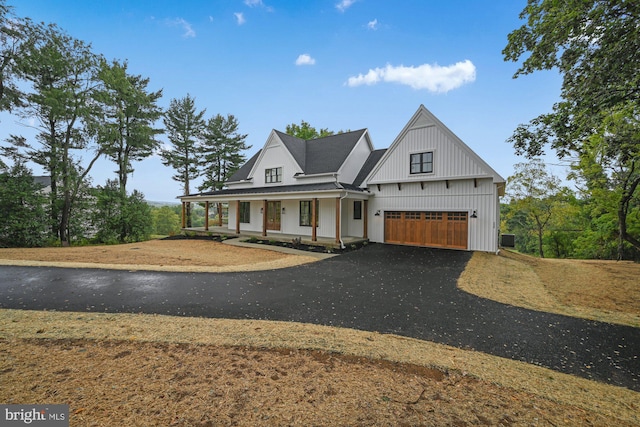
[[437, 229]]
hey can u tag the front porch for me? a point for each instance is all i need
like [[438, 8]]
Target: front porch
[[327, 242], [333, 218]]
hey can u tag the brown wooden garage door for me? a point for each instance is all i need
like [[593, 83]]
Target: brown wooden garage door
[[440, 229]]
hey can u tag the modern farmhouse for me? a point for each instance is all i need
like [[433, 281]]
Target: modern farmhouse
[[428, 189]]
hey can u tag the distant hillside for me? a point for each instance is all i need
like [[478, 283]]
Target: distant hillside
[[161, 204]]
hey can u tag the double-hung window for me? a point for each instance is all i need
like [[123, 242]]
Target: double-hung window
[[273, 175], [357, 209], [245, 212], [422, 162], [305, 212]]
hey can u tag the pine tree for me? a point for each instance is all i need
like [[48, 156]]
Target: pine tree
[[221, 151], [184, 127], [126, 131]]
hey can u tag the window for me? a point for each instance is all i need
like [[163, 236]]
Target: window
[[305, 212], [273, 175], [357, 209], [422, 162], [245, 212]]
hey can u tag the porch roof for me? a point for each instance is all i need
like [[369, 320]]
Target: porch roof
[[281, 190]]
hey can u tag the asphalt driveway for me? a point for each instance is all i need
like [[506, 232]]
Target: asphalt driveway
[[390, 289]]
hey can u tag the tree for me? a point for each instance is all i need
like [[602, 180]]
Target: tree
[[23, 220], [15, 35], [595, 44], [126, 131], [307, 132], [184, 126], [62, 73], [166, 221], [535, 191], [221, 151], [119, 218]]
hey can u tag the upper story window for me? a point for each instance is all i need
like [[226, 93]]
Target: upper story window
[[422, 162], [273, 175]]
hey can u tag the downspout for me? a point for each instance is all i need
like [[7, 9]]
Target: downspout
[[342, 246]]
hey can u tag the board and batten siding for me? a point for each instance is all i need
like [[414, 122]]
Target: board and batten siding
[[290, 220], [461, 196], [460, 182], [274, 155], [450, 161]]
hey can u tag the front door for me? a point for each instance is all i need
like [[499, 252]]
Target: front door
[[273, 215]]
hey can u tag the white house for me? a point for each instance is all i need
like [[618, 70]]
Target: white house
[[428, 189]]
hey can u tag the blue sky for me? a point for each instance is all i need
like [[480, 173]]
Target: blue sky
[[337, 64]]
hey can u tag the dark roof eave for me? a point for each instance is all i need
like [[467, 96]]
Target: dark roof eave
[[280, 190]]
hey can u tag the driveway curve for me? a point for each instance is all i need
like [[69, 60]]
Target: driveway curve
[[400, 290]]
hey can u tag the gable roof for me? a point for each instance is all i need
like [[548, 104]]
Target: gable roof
[[326, 155], [372, 160], [243, 173], [314, 156], [296, 147], [425, 118]]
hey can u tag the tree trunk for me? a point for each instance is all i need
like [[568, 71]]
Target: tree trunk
[[623, 209]]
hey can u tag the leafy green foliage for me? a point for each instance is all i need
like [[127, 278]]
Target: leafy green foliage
[[221, 151], [119, 218], [305, 131], [595, 45], [61, 71], [165, 220], [535, 192], [23, 220]]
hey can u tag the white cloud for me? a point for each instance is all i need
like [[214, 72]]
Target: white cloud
[[373, 25], [344, 5], [305, 59], [240, 18], [433, 78], [179, 22]]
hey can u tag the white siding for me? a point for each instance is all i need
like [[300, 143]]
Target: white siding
[[290, 220], [275, 155], [461, 196], [353, 163], [449, 159]]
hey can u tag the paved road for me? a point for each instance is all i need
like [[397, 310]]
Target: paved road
[[390, 289]]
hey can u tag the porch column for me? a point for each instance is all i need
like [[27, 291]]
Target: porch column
[[264, 217], [314, 220], [206, 216], [219, 214], [338, 215], [365, 219], [237, 216], [184, 214]]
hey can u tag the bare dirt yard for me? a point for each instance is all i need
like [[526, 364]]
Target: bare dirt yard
[[145, 370]]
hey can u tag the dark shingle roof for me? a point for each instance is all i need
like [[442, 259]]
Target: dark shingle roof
[[296, 147], [316, 156], [369, 164], [326, 155], [243, 172]]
